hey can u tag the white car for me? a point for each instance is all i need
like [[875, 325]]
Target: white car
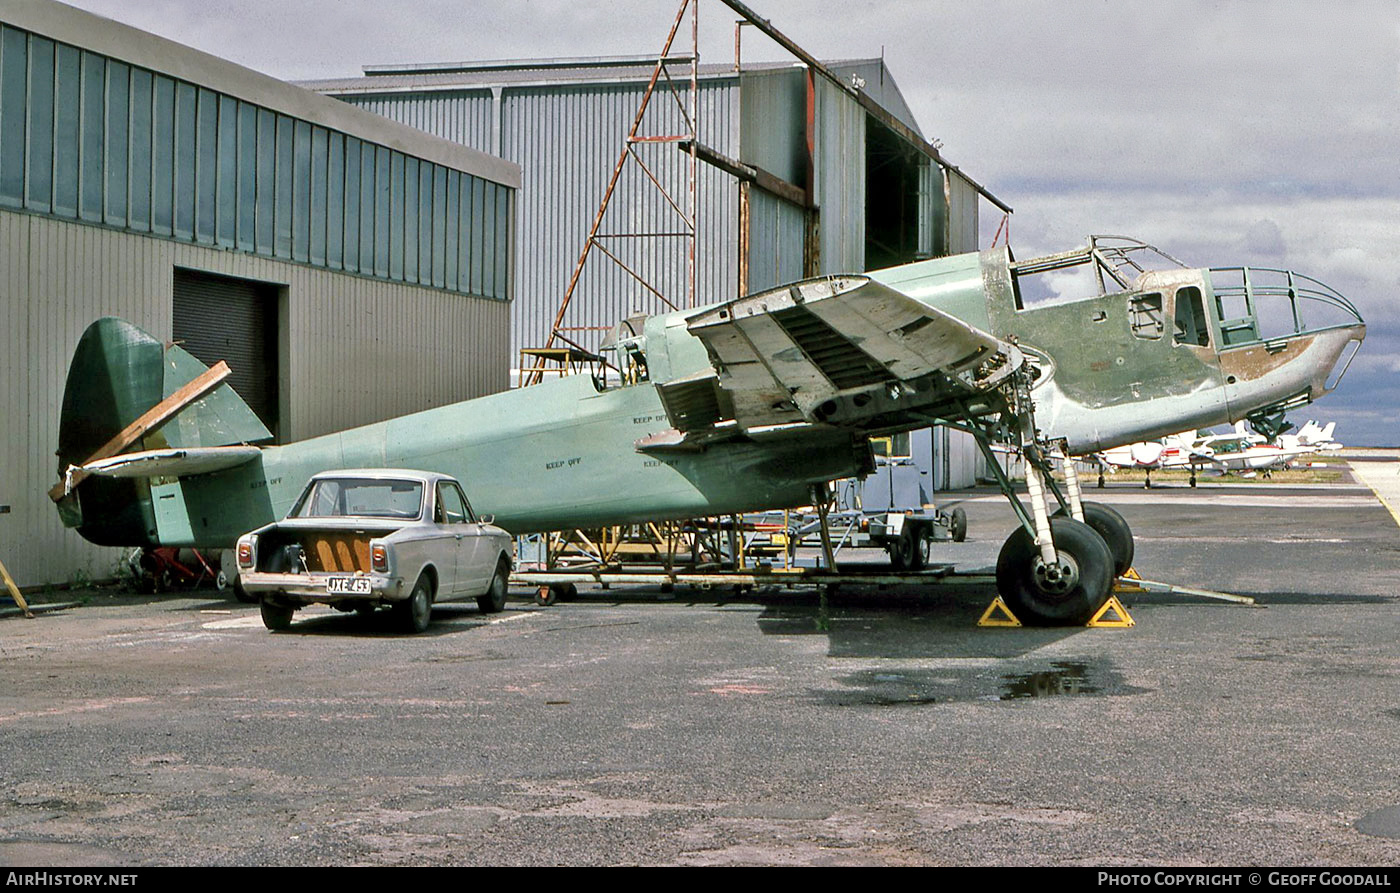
[[361, 538]]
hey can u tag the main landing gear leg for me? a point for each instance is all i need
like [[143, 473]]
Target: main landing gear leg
[[1058, 572], [1072, 491], [1105, 521], [1051, 571]]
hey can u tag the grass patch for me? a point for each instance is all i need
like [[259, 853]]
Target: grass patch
[[1333, 474]]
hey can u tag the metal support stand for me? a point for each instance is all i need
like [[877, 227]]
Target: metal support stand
[[820, 498]]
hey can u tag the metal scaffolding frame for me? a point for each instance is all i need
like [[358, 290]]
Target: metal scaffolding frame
[[687, 214]]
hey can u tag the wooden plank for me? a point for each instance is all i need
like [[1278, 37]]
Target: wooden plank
[[14, 591], [149, 420]]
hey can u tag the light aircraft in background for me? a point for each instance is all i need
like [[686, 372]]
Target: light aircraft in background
[[1175, 451], [1320, 438], [756, 403], [1242, 450], [1239, 449]]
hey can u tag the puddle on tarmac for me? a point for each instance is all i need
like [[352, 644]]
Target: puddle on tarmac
[[921, 687], [1061, 679]]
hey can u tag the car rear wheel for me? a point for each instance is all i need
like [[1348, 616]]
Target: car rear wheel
[[494, 601], [276, 617], [414, 612]]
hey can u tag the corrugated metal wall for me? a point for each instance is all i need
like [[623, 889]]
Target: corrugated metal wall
[[840, 179], [775, 240], [463, 116], [955, 459], [344, 332], [567, 140], [963, 199]]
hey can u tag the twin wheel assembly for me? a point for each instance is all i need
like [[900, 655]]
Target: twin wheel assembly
[[1073, 585]]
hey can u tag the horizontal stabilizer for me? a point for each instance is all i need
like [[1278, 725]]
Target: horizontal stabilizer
[[172, 462]]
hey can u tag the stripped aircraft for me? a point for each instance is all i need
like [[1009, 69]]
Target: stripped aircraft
[[757, 403]]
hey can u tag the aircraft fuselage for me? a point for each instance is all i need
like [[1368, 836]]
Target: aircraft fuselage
[[1113, 369]]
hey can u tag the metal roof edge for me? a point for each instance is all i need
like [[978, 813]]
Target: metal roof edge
[[518, 64]]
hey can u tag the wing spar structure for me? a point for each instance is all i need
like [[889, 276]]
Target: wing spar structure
[[843, 351]]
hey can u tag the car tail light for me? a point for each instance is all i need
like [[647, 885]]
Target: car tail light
[[246, 552], [379, 558]]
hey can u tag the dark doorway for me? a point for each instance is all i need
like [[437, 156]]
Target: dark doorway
[[235, 320], [891, 198]]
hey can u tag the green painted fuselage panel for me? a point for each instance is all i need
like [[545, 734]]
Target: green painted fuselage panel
[[558, 454]]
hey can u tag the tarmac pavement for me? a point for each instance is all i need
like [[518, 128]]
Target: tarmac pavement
[[635, 727]]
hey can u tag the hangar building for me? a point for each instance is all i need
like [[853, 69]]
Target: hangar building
[[832, 175], [348, 267]]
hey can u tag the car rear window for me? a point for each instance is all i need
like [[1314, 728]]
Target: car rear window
[[361, 498]]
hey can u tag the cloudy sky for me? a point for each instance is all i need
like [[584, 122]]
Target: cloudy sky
[[1260, 132]]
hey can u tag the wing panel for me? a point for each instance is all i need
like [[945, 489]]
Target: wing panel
[[845, 351]]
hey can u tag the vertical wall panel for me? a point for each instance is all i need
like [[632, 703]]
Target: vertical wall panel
[[933, 211], [774, 123], [776, 231], [56, 277], [962, 214], [840, 179]]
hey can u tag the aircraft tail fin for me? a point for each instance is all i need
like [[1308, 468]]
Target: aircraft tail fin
[[127, 393]]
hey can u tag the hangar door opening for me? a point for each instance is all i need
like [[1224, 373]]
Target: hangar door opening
[[235, 320], [905, 208]]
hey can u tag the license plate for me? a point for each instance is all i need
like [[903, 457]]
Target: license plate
[[348, 586]]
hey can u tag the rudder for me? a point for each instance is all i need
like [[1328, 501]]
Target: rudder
[[117, 374]]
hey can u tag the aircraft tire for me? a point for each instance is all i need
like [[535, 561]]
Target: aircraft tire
[[277, 618], [413, 613], [1114, 529], [1036, 604], [957, 525], [494, 601]]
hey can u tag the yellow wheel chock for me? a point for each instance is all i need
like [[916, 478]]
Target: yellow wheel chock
[[1113, 605], [1112, 614], [998, 606], [998, 614]]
